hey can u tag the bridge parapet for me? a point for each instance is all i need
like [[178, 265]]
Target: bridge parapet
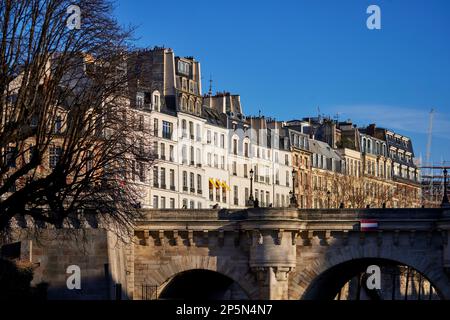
[[273, 243]]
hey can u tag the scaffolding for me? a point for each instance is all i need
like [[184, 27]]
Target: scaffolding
[[433, 184]]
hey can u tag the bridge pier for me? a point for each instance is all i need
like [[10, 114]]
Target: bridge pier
[[273, 282], [272, 258]]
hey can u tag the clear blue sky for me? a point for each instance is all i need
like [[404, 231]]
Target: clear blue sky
[[287, 58]]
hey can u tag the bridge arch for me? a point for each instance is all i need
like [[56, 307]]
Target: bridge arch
[[324, 276], [185, 268], [201, 284], [352, 275]]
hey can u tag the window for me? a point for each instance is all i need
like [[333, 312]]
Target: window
[[58, 125], [184, 128], [236, 195], [246, 149], [216, 161], [183, 67], [89, 158], [156, 101], [185, 203], [245, 171], [234, 168], [192, 205], [216, 142], [235, 148], [191, 130], [199, 158], [155, 177], [192, 156], [155, 127], [208, 137], [172, 203], [211, 191], [163, 202], [192, 181], [224, 195], [140, 97], [172, 179], [171, 154], [163, 178], [222, 163], [167, 130], [185, 182], [198, 132], [217, 194], [141, 170], [155, 149], [55, 155], [286, 159], [184, 155], [199, 183], [155, 202], [163, 151], [222, 141], [209, 159]]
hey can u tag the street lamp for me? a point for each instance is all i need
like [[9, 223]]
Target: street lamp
[[445, 202], [328, 196], [293, 201], [251, 200]]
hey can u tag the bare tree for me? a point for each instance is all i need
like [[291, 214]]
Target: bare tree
[[69, 140]]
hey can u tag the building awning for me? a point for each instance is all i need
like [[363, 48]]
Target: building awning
[[214, 183], [224, 185]]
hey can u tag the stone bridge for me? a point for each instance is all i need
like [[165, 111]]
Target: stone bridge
[[259, 253], [286, 253]]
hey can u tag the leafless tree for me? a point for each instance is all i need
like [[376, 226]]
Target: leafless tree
[[69, 140]]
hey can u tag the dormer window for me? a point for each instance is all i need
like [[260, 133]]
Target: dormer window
[[156, 99], [140, 98], [183, 67]]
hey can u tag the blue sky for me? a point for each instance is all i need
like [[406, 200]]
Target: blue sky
[[289, 58]]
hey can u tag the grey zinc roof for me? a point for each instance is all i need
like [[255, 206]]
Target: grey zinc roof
[[323, 148]]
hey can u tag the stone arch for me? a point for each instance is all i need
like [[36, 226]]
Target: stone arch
[[244, 278], [304, 278]]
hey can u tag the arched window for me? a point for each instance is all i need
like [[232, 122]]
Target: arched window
[[191, 106], [156, 99], [183, 103], [184, 128]]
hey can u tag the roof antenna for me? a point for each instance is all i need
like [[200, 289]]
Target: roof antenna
[[210, 85]]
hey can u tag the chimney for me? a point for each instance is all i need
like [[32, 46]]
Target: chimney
[[371, 129]]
